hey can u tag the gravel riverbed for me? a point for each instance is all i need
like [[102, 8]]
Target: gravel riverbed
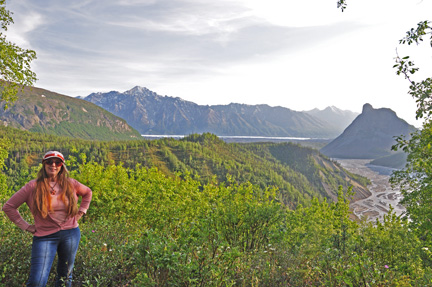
[[377, 205]]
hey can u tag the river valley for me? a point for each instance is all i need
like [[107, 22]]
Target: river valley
[[378, 204], [372, 208]]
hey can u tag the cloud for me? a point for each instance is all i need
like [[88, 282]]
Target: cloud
[[18, 34], [297, 54], [163, 39]]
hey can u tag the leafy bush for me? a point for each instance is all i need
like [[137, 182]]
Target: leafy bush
[[145, 228]]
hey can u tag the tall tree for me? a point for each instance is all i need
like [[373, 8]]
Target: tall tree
[[415, 180], [15, 62]]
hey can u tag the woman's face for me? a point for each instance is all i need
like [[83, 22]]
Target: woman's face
[[52, 167]]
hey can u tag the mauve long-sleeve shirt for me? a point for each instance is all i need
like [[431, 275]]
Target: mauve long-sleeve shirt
[[50, 224]]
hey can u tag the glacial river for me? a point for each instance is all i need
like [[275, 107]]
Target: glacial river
[[377, 205]]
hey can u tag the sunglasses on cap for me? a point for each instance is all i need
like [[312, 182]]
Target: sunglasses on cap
[[56, 161]]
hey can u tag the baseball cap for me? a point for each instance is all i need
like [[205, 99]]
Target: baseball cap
[[52, 154]]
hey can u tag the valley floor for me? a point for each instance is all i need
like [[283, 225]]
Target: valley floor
[[377, 205]]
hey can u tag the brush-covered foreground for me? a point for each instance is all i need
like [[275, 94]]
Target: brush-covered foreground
[[147, 229]]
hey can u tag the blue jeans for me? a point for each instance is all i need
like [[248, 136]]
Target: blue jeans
[[44, 249]]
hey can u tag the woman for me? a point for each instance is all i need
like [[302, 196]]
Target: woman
[[52, 199]]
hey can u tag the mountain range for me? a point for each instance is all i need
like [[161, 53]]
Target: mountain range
[[128, 115], [152, 114]]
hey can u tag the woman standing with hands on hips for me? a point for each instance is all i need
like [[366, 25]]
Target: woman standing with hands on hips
[[53, 201]]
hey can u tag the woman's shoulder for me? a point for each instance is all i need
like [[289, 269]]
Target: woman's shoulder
[[79, 187], [73, 181], [31, 183], [28, 187]]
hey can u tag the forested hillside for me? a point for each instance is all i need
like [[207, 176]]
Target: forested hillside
[[299, 173], [43, 111]]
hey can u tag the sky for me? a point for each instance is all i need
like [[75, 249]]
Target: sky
[[296, 54]]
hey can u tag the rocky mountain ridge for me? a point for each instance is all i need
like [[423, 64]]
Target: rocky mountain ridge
[[150, 113], [370, 136], [334, 116]]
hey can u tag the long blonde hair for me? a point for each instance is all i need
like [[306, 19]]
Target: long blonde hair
[[42, 198]]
